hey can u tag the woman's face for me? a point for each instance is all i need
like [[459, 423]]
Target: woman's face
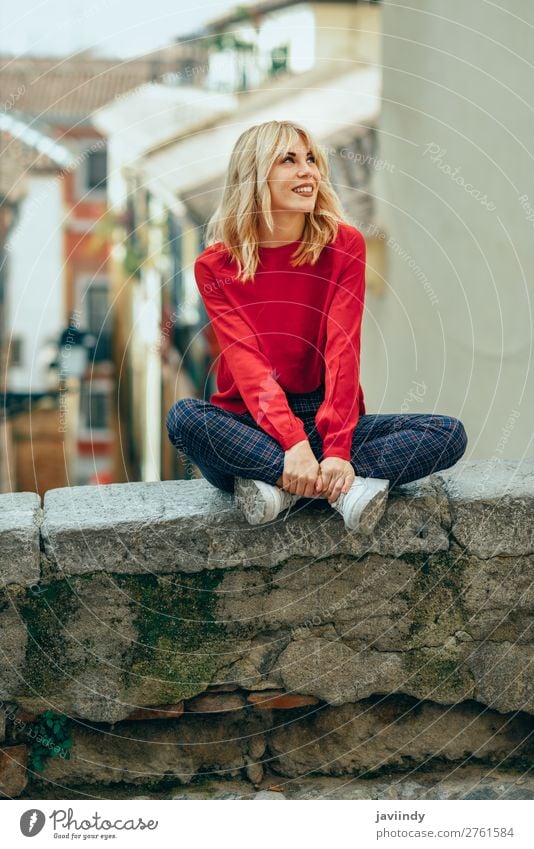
[[294, 179]]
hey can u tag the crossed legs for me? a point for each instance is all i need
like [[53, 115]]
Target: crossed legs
[[396, 447]]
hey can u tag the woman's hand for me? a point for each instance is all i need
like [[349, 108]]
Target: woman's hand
[[301, 469], [336, 476]]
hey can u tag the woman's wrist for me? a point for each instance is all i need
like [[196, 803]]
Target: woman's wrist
[[298, 446]]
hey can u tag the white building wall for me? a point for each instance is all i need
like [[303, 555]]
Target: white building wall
[[453, 333], [35, 281]]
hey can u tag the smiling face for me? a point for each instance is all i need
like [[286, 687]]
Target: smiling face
[[294, 179]]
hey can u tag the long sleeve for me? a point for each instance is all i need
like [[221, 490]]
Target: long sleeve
[[251, 370], [337, 417]]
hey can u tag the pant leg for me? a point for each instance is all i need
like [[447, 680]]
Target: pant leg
[[406, 447], [397, 447], [223, 444]]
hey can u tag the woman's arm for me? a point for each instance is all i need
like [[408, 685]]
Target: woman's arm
[[337, 417], [250, 368]]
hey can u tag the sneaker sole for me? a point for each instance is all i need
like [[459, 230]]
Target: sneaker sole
[[372, 513], [253, 506]]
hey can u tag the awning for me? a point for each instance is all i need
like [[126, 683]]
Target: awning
[[153, 114]]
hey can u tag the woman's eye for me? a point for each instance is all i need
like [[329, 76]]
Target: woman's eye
[[310, 158]]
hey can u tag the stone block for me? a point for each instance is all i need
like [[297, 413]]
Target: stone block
[[350, 740], [20, 518], [364, 738], [148, 752], [189, 526], [503, 674], [164, 712], [13, 774], [492, 506], [280, 700], [216, 703]]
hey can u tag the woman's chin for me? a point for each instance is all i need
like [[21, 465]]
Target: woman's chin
[[302, 206]]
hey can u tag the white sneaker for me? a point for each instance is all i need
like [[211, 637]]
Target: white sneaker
[[363, 505], [261, 502]]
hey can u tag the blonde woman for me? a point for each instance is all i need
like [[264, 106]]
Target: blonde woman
[[283, 283]]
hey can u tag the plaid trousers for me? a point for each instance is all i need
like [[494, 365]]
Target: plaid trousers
[[397, 447]]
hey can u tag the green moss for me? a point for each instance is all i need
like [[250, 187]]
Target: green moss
[[437, 674], [437, 607], [49, 736], [46, 615], [180, 645]]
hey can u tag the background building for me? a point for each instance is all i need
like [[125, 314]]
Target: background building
[[426, 163], [169, 150], [53, 166], [458, 207]]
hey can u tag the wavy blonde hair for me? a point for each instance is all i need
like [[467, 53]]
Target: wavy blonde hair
[[246, 197]]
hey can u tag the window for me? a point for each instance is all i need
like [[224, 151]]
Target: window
[[16, 351], [90, 179], [279, 60], [97, 170], [96, 306], [94, 405], [96, 319]]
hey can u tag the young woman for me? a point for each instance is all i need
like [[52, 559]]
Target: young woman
[[283, 283]]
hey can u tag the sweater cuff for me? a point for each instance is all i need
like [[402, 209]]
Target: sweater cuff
[[287, 441], [341, 452]]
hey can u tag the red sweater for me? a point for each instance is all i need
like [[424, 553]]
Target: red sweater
[[290, 330]]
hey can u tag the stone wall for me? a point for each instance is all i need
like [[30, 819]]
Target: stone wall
[[182, 643]]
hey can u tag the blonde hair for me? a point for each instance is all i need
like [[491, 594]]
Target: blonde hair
[[246, 197]]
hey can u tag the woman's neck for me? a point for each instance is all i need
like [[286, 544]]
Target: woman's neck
[[287, 228]]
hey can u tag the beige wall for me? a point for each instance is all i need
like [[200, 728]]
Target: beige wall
[[453, 332], [39, 451], [347, 31]]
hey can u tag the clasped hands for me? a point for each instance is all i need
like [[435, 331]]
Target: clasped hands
[[304, 476]]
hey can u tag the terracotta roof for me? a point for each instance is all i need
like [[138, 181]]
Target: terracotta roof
[[67, 91]]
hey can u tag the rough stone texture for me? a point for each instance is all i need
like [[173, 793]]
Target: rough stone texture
[[461, 783], [70, 655], [278, 700], [269, 796], [358, 739], [505, 675], [164, 712], [492, 505], [254, 773], [92, 651], [13, 645], [498, 598], [344, 740], [153, 751], [20, 517], [216, 703], [454, 782], [154, 595], [190, 526], [13, 774]]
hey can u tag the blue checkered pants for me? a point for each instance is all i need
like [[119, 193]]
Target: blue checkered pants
[[396, 447]]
